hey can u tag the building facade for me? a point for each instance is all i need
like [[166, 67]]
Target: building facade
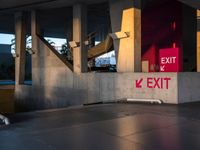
[[156, 43]]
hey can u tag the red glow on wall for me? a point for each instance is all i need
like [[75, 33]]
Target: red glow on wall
[[174, 26], [151, 57], [174, 45], [161, 29]]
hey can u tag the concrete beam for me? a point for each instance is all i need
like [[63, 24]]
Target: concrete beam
[[126, 17], [79, 36], [198, 40], [20, 34]]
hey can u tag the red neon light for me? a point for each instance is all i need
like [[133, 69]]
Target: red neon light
[[174, 26]]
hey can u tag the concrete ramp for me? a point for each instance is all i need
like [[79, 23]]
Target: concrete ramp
[[100, 49]]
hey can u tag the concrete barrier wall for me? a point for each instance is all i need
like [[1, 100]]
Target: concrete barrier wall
[[56, 86], [97, 87], [188, 87], [6, 99]]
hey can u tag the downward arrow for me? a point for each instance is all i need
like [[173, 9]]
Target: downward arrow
[[162, 68], [139, 83]]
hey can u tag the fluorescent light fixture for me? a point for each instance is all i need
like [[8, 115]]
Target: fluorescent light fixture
[[119, 35], [74, 44]]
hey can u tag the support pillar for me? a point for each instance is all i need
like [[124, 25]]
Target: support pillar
[[35, 47], [198, 40], [80, 59], [20, 37], [34, 32], [128, 50]]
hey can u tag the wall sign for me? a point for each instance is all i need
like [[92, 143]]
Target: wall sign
[[153, 83], [169, 60]]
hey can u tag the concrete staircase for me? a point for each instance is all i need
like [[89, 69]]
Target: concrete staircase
[[102, 48], [61, 57]]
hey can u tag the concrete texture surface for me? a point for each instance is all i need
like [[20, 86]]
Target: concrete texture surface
[[93, 88], [7, 99], [55, 85], [117, 126], [188, 87]]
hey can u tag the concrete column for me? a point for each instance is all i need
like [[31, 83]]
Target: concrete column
[[79, 35], [34, 32], [126, 17], [198, 40], [35, 47], [20, 37]]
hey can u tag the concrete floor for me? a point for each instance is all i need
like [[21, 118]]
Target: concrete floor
[[105, 127]]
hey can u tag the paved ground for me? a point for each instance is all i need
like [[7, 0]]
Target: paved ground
[[106, 127]]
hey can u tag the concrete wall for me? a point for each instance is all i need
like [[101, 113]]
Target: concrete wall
[[188, 87], [6, 99], [51, 78], [189, 38], [55, 85], [59, 87]]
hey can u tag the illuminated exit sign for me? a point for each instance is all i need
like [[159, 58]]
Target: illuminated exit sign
[[169, 60]]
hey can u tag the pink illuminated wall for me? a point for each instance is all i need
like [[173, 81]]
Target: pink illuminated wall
[[161, 29]]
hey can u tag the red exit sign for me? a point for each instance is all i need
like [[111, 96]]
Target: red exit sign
[[169, 60], [153, 83]]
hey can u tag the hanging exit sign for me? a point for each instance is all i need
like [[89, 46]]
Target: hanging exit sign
[[169, 60]]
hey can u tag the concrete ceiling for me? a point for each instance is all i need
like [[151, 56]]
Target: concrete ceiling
[[7, 8], [10, 5], [57, 22]]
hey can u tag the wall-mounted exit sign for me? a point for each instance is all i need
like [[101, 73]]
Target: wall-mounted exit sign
[[169, 60]]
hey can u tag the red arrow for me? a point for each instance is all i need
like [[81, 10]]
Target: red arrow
[[139, 83], [162, 68]]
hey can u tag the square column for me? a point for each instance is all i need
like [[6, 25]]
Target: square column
[[35, 30], [198, 40], [20, 37], [126, 18], [80, 59]]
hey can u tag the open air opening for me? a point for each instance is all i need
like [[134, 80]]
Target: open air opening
[[101, 53], [7, 60]]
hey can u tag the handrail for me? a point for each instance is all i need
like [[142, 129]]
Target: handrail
[[65, 61]]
